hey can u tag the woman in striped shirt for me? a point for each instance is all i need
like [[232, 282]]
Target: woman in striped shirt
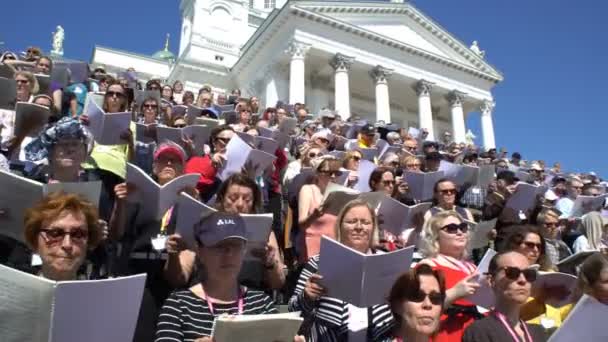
[[331, 319], [189, 315]]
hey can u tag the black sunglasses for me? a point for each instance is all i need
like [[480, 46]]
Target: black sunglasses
[[115, 93], [533, 245], [223, 140], [513, 273], [331, 173], [452, 228], [435, 297]]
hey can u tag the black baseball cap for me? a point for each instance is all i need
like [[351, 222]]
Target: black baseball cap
[[508, 176], [368, 129], [516, 155], [218, 227]]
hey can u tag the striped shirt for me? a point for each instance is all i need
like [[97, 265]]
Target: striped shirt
[[326, 320], [186, 317]]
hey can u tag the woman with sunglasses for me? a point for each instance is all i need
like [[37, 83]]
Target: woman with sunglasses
[[61, 228], [416, 301], [510, 277], [244, 119], [382, 179], [350, 163], [112, 159], [411, 163], [444, 243], [528, 241], [149, 113], [312, 222], [27, 85], [445, 193], [209, 164], [308, 153], [330, 319]]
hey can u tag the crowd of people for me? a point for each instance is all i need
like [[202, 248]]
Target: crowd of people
[[66, 237]]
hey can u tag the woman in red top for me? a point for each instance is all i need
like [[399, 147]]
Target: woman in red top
[[208, 164], [444, 244]]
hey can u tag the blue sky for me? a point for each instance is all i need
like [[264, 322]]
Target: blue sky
[[553, 54]]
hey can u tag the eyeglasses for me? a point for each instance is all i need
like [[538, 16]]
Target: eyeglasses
[[180, 125], [532, 245], [56, 235], [22, 81], [115, 93], [245, 111], [149, 106], [10, 58], [313, 155], [356, 158], [436, 298], [410, 148], [411, 166], [513, 273], [331, 173], [388, 182], [223, 140], [453, 228], [447, 192]]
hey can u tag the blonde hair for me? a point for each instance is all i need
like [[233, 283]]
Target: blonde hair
[[34, 87], [429, 242], [375, 239]]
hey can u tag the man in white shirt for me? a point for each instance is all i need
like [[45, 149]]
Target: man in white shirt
[[574, 188]]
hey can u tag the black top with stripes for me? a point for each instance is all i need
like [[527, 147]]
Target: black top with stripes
[[186, 317]]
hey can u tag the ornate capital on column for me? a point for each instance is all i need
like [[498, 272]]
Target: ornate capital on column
[[487, 106], [380, 74], [456, 98], [423, 88], [341, 62], [297, 49]]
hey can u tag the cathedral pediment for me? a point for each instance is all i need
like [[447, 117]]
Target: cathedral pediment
[[399, 24]]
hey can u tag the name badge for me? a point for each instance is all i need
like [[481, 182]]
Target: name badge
[[158, 243], [522, 216], [547, 323], [36, 260], [476, 191]]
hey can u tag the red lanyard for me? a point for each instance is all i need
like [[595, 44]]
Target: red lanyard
[[240, 302], [504, 322], [456, 263]]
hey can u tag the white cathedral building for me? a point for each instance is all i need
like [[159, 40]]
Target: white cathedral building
[[381, 60]]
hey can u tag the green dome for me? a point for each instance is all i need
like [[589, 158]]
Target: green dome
[[165, 54]]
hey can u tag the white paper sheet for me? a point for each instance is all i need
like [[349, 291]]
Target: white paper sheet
[[484, 296], [460, 174], [17, 195], [39, 310], [97, 311], [154, 199], [237, 152], [480, 232], [366, 168], [585, 204], [367, 279], [422, 184], [26, 303], [107, 127], [257, 328], [525, 197], [190, 211], [396, 217], [586, 322]]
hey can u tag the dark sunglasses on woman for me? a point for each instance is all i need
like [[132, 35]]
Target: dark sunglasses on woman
[[452, 228]]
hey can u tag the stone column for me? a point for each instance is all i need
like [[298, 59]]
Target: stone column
[[297, 51], [341, 65], [456, 98], [425, 112], [383, 106], [487, 124]]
